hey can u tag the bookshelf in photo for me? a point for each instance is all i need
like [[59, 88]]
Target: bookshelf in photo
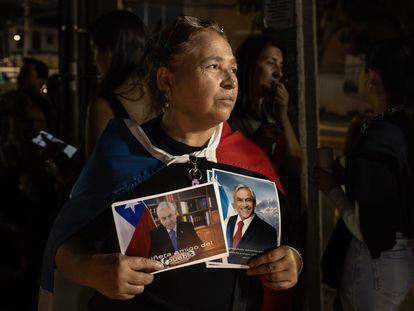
[[198, 206]]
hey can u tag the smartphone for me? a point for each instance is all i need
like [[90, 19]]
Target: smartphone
[[68, 149]]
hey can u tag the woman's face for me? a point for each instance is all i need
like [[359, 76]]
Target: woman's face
[[268, 71], [203, 84]]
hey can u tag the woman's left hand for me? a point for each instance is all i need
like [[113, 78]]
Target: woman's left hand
[[279, 268], [325, 180]]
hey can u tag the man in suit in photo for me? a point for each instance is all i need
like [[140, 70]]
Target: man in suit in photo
[[172, 235], [246, 231]]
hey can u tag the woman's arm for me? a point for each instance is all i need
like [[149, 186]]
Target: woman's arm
[[114, 275], [329, 183], [292, 160], [349, 213]]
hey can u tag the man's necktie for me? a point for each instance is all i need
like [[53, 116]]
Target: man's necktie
[[238, 235], [173, 238]]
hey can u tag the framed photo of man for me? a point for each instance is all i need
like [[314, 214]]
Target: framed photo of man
[[251, 213], [177, 228]]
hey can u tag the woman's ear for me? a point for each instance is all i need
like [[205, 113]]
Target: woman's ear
[[164, 80]]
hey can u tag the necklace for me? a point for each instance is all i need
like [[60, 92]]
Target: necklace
[[194, 173], [379, 116]]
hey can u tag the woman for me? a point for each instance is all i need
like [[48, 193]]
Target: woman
[[120, 40], [193, 71], [261, 111], [370, 243]]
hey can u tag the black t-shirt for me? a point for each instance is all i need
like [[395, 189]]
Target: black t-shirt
[[192, 287]]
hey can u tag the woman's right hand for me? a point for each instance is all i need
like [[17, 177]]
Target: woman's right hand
[[121, 277], [325, 180]]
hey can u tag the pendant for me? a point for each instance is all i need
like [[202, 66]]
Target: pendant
[[194, 174]]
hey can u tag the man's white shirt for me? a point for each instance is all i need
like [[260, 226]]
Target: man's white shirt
[[246, 224]]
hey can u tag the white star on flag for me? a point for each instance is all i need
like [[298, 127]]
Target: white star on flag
[[131, 206]]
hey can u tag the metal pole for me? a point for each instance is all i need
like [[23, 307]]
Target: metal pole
[[308, 130], [73, 72], [26, 15]]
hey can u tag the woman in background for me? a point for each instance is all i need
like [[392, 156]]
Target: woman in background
[[120, 40], [369, 258], [261, 110]]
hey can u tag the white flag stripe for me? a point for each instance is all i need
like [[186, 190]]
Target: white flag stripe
[[124, 230]]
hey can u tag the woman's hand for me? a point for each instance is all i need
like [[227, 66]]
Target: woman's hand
[[281, 101], [325, 180], [279, 268], [277, 103], [119, 276]]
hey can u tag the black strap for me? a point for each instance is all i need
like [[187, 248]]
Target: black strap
[[116, 106]]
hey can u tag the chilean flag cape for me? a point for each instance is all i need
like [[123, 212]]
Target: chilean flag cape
[[118, 164]]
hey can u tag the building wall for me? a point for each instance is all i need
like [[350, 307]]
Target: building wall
[[236, 26]]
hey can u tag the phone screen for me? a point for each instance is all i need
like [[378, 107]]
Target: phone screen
[[68, 149]]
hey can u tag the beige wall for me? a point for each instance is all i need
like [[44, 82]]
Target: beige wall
[[236, 26]]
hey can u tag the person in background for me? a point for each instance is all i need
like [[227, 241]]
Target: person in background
[[261, 113], [120, 40], [192, 74], [31, 81], [261, 110], [369, 258], [28, 197]]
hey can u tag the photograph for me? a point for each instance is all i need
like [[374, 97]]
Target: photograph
[[251, 213], [177, 228], [304, 109]]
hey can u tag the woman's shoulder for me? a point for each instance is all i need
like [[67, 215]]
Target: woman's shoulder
[[387, 131], [240, 142], [237, 150], [99, 110], [390, 120]]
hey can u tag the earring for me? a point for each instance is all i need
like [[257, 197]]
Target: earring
[[166, 101]]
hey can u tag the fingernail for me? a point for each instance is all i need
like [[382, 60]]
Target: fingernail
[[159, 265]]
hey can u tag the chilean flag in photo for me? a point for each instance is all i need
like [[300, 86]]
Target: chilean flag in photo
[[133, 223], [225, 202]]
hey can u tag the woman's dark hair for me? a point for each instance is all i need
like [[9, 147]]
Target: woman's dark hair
[[126, 37], [394, 61], [247, 56], [40, 67], [173, 40]]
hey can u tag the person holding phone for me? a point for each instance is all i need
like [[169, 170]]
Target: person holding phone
[[261, 110]]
